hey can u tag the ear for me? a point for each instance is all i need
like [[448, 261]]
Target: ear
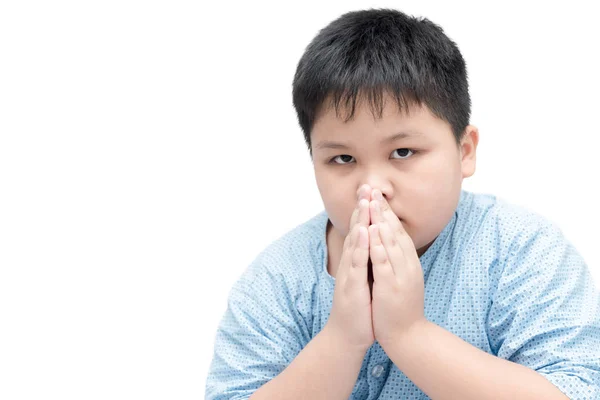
[[468, 151]]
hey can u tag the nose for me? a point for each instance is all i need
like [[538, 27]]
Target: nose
[[373, 181]]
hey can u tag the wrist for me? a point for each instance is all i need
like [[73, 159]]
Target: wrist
[[408, 336], [338, 340]]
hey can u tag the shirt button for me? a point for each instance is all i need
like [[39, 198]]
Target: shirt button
[[377, 371]]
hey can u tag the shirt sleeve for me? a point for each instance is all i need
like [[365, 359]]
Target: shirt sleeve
[[259, 335], [545, 313]]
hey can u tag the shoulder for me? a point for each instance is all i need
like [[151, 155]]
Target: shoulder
[[507, 225], [520, 242], [501, 235], [295, 254]]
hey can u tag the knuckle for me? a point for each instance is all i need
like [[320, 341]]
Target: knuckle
[[356, 262], [379, 248], [359, 258], [380, 257]]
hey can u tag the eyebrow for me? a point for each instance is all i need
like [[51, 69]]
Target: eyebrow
[[327, 144]]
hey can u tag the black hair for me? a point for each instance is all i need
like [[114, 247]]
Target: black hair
[[367, 54]]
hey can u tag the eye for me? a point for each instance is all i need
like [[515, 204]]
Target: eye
[[345, 156], [403, 153]]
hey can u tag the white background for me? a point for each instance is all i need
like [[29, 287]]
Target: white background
[[149, 151]]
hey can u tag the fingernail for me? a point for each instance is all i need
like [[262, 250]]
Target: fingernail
[[378, 194]]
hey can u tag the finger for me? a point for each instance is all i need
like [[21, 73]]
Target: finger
[[353, 219], [364, 216], [357, 274], [375, 212], [408, 246], [346, 257], [384, 213], [382, 269], [393, 248], [386, 210], [355, 243], [363, 193], [360, 216]]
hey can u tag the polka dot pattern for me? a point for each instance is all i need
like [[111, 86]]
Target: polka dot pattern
[[500, 277]]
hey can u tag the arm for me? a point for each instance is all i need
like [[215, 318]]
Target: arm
[[264, 347], [328, 367], [543, 328], [325, 369], [445, 367]]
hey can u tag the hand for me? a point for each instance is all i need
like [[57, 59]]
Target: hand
[[398, 287], [350, 319]]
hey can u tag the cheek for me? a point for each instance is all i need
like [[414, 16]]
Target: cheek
[[430, 204], [340, 221], [436, 180], [434, 215], [337, 206]]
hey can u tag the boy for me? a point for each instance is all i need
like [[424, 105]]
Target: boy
[[406, 286]]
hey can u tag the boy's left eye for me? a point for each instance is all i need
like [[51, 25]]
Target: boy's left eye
[[403, 152]]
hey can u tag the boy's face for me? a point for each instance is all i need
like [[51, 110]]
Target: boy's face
[[419, 174]]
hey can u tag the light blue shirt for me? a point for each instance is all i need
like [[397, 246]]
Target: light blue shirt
[[500, 277]]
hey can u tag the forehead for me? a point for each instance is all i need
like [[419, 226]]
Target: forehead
[[415, 121]]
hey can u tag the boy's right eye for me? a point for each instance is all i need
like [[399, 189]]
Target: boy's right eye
[[344, 157]]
